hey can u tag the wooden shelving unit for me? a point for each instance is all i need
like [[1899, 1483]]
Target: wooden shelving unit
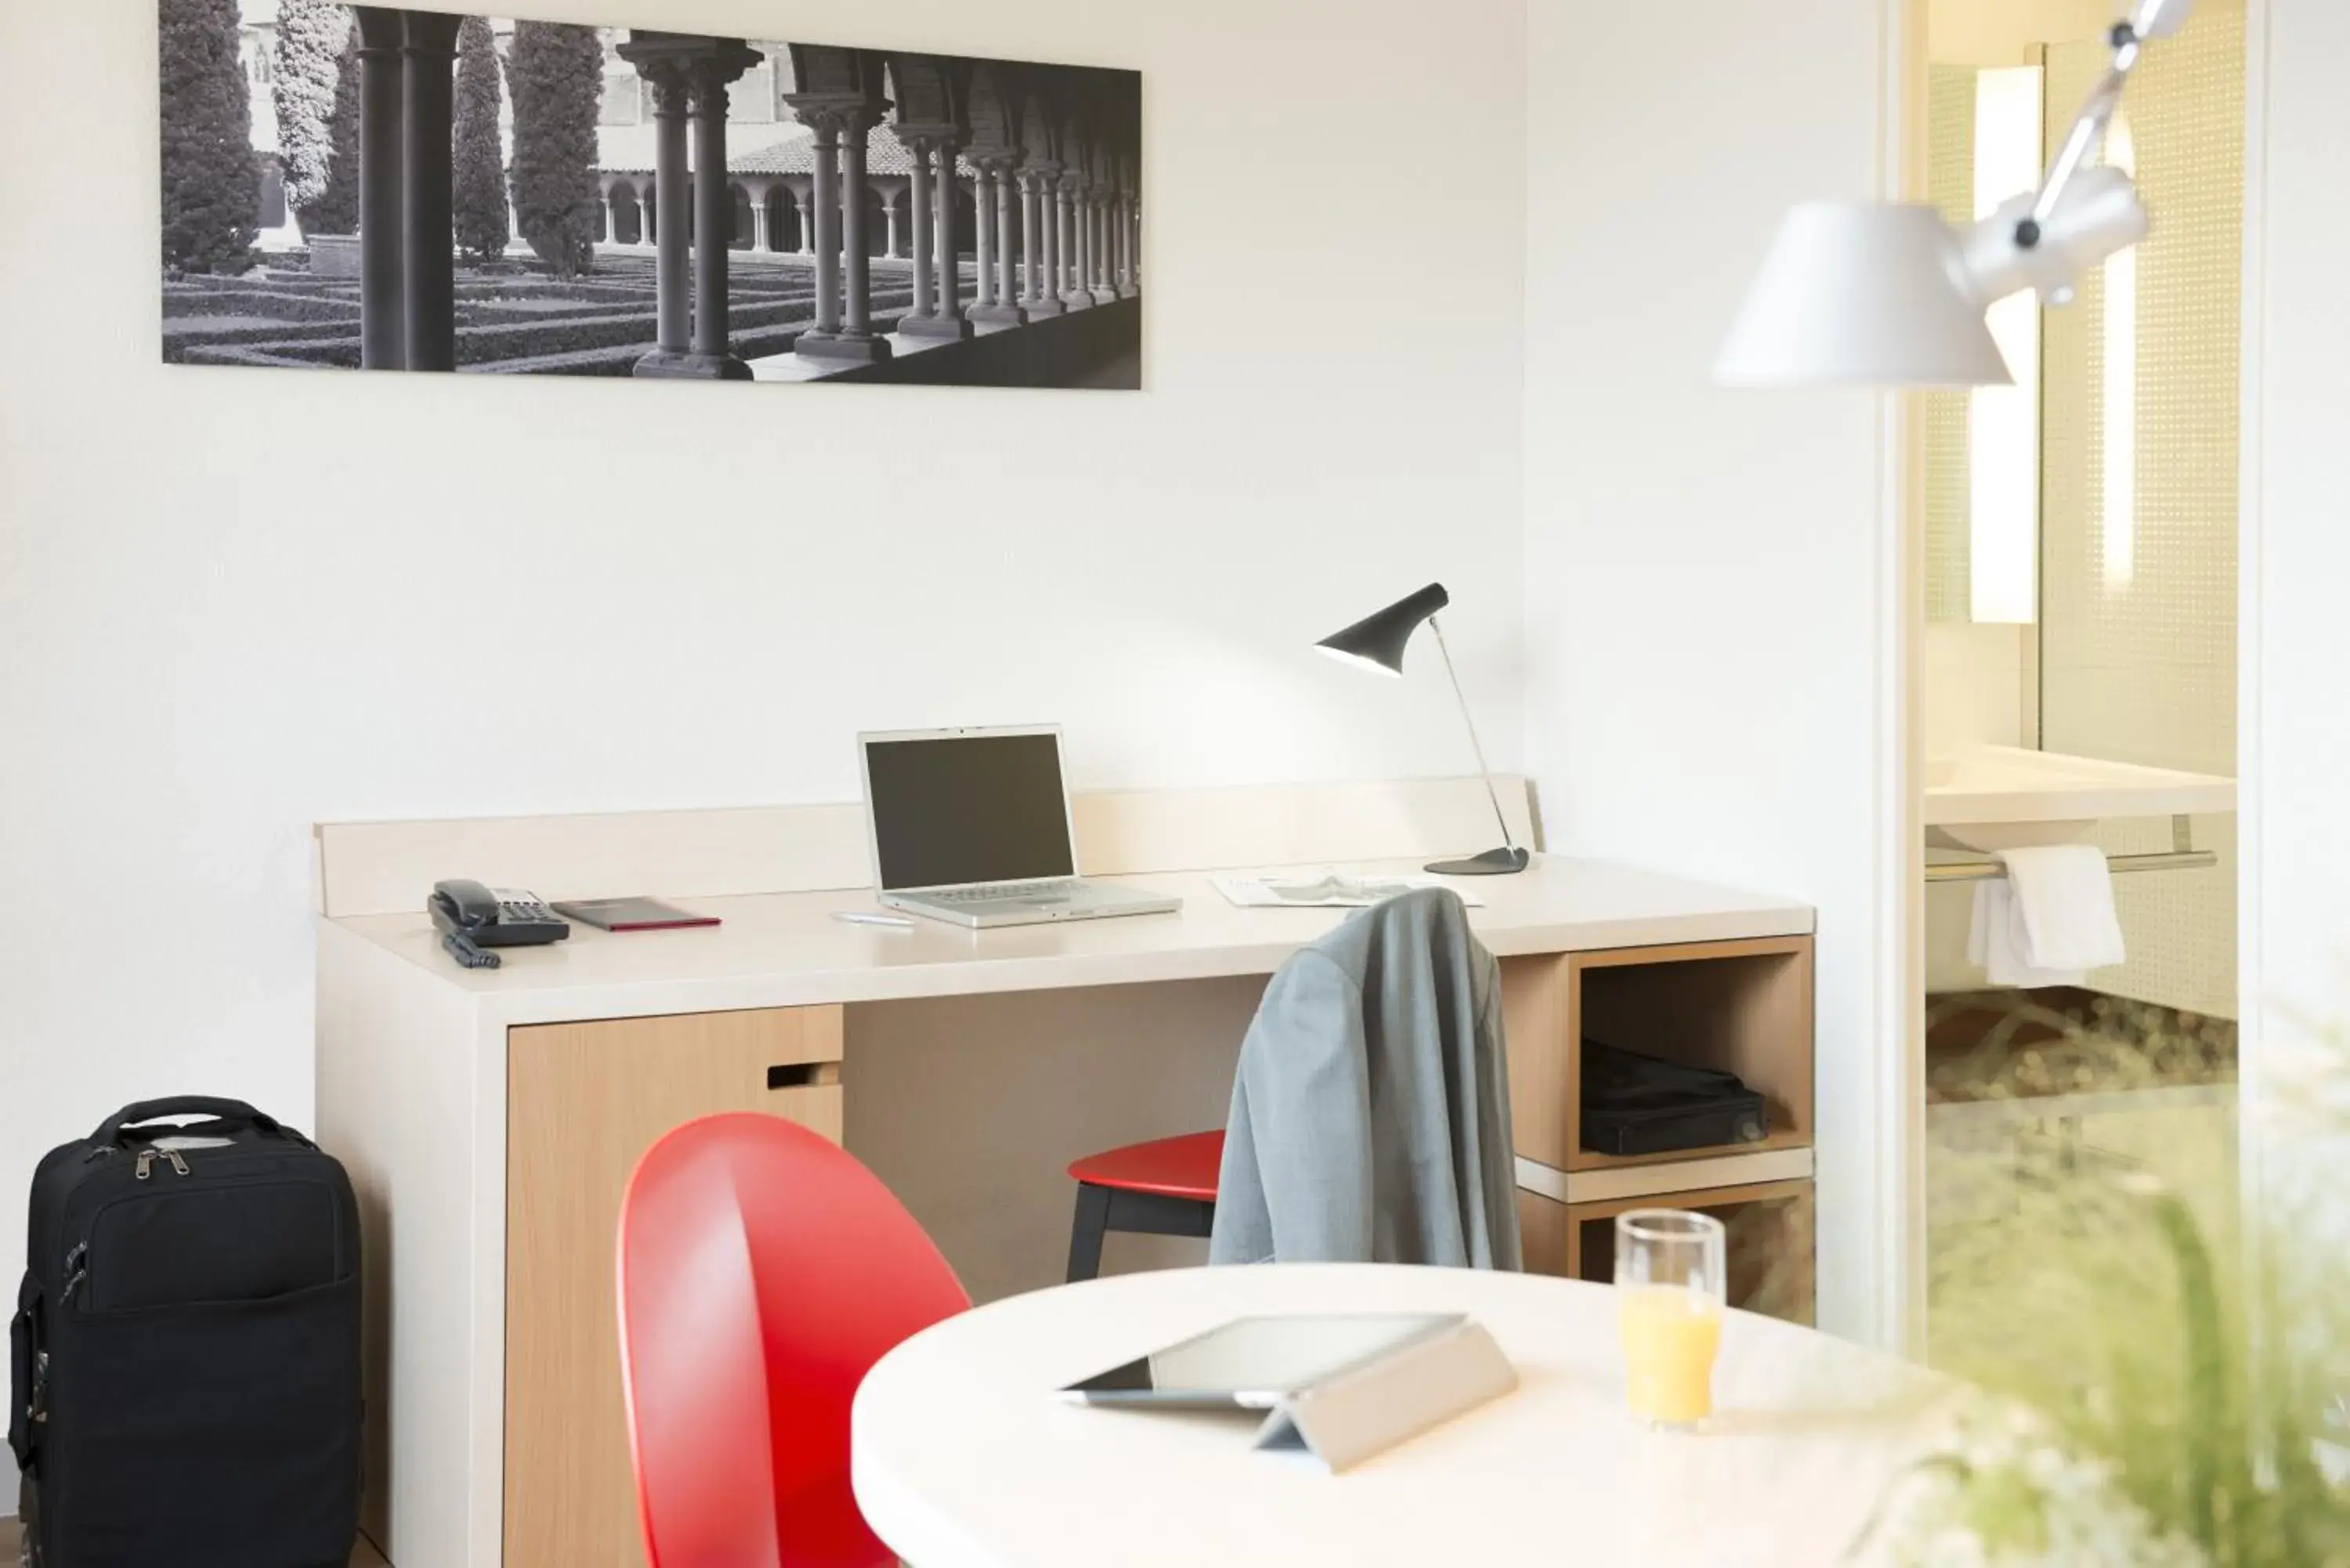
[[1743, 1006], [1771, 1227]]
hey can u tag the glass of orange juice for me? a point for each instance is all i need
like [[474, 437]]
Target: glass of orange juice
[[1671, 1284]]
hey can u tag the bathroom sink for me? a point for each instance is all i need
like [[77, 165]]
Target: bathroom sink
[[2004, 797]]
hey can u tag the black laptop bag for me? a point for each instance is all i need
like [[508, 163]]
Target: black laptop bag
[[1635, 1103], [185, 1352]]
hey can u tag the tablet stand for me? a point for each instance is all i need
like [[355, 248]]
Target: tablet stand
[[1370, 1409]]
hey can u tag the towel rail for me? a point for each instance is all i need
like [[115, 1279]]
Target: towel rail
[[1991, 871], [2182, 857]]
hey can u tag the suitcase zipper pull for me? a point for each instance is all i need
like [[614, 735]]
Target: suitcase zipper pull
[[177, 1164], [146, 1163]]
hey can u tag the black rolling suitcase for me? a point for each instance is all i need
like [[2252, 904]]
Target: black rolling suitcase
[[185, 1352]]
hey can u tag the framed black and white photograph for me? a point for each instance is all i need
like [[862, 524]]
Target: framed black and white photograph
[[364, 187]]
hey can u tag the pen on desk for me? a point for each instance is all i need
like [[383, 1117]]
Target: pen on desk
[[874, 918]]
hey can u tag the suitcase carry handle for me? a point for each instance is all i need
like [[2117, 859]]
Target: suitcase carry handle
[[111, 1129], [23, 1359]]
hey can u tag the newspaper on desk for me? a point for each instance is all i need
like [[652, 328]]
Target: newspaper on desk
[[1326, 890]]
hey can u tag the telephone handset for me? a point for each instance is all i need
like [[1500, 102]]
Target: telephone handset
[[473, 917]]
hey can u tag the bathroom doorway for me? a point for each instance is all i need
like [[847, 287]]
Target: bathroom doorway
[[2079, 657]]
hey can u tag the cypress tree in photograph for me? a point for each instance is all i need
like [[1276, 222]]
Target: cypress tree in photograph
[[480, 194], [557, 74], [212, 181], [312, 37], [337, 210]]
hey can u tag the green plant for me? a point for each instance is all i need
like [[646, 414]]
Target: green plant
[[314, 41], [479, 193], [212, 181], [557, 76], [2150, 1395]]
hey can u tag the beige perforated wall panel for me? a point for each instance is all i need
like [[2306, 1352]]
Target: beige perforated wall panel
[[1949, 186], [2139, 632]]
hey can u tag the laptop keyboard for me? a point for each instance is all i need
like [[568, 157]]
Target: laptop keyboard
[[1007, 891]]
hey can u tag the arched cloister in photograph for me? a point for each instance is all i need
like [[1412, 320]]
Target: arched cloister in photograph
[[1010, 192], [754, 209]]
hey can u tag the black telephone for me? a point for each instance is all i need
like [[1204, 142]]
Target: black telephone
[[473, 917]]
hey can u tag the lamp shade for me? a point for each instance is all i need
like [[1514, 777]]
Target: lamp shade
[[1861, 294], [1379, 640]]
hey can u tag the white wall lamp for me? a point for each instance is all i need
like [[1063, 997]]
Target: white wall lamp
[[1886, 294]]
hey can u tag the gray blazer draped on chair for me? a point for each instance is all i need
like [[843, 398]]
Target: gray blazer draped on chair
[[1370, 1117]]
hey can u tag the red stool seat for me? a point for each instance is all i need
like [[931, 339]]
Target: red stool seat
[[1183, 1167]]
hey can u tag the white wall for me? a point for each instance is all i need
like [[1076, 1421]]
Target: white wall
[[233, 603], [2295, 717], [1707, 586]]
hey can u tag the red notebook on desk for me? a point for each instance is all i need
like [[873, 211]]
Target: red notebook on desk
[[632, 915]]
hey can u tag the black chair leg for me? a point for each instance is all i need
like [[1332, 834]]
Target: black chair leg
[[1086, 1233]]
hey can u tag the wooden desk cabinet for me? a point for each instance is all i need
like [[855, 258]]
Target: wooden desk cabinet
[[584, 1101]]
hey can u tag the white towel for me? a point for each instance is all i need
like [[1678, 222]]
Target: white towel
[[1994, 941], [2049, 920]]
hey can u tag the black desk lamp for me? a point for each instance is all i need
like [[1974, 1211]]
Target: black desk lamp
[[1377, 642]]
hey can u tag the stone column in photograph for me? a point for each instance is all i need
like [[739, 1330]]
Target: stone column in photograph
[[894, 250], [689, 74], [1126, 245], [824, 201], [1037, 238], [1095, 271], [1114, 224], [383, 290], [762, 242], [1085, 246], [611, 214], [856, 323], [428, 230], [938, 284], [1070, 191], [949, 321], [983, 220], [1008, 203], [925, 254], [713, 208], [1105, 247], [844, 315], [804, 207], [998, 303], [673, 267]]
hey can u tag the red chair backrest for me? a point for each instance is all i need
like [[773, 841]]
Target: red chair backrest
[[763, 1272]]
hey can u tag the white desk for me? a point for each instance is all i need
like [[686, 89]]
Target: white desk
[[489, 1118], [962, 1457], [786, 950]]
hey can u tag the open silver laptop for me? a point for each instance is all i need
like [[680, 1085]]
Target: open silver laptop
[[972, 827]]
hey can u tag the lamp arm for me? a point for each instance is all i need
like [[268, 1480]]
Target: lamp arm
[[2087, 134], [2153, 19], [1508, 840]]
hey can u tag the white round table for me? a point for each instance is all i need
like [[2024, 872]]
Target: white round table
[[963, 1458]]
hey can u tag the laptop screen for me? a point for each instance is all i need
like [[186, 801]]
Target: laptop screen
[[953, 809]]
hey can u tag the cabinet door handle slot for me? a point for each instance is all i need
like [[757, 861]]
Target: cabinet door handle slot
[[803, 1074]]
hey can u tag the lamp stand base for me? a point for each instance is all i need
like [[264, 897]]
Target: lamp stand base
[[1492, 863]]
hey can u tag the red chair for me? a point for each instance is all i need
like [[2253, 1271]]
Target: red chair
[[763, 1272], [1164, 1188]]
